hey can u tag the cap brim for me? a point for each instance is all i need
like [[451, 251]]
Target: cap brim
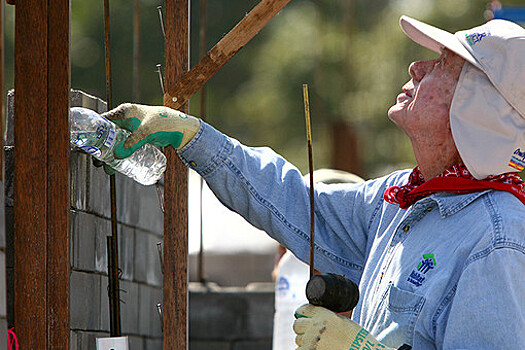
[[434, 38]]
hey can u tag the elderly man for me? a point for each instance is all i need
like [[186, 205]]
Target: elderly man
[[438, 252]]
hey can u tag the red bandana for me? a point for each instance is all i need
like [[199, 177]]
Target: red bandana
[[456, 179]]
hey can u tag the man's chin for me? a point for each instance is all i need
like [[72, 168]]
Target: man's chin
[[394, 113]]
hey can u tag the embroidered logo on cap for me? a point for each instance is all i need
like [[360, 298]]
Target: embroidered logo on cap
[[518, 160], [417, 276], [475, 38]]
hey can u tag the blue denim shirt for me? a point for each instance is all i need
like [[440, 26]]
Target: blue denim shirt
[[447, 273]]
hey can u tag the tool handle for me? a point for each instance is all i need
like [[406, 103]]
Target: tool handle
[[334, 292]]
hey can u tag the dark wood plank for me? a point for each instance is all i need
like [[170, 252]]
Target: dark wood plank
[[58, 239], [30, 179], [41, 209], [175, 287]]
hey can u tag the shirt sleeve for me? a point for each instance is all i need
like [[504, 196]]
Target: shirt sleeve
[[272, 195], [488, 309]]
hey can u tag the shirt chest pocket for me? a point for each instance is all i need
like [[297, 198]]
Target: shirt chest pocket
[[397, 316]]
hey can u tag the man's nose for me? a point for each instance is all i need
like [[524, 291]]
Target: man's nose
[[418, 69]]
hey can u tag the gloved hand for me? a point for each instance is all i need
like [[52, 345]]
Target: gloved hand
[[321, 329], [158, 125]]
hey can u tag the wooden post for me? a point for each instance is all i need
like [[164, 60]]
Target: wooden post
[[175, 287], [41, 183]]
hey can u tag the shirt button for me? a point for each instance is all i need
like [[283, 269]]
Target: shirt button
[[406, 228], [192, 163]]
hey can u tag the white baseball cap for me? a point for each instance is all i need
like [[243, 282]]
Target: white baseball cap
[[487, 115]]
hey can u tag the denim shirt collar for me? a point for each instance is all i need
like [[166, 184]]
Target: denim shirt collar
[[451, 203]]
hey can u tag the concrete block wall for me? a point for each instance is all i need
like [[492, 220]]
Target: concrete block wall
[[232, 318], [140, 225]]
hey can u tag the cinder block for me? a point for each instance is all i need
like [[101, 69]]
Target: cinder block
[[141, 255], [79, 179], [156, 344], [86, 340], [126, 253], [99, 200], [153, 269], [102, 231], [253, 345], [261, 304], [129, 308], [127, 200], [136, 343], [104, 304], [231, 314], [150, 215], [83, 233], [149, 319], [3, 334], [145, 304], [209, 344], [147, 263], [84, 301]]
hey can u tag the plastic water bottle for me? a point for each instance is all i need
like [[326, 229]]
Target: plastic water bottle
[[97, 136], [290, 293]]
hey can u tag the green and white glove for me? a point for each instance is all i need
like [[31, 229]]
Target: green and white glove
[[321, 329], [158, 125]]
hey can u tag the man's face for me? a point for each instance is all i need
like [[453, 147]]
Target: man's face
[[422, 110]]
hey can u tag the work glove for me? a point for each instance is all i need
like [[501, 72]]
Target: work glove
[[321, 329], [157, 125]]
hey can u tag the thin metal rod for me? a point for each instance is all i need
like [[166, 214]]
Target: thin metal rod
[[136, 52], [161, 260], [202, 34], [159, 312], [161, 19], [161, 78], [311, 169], [113, 275]]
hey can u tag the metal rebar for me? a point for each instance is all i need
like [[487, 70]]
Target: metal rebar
[[159, 312], [161, 19], [113, 275], [136, 52], [161, 260], [161, 78], [311, 168]]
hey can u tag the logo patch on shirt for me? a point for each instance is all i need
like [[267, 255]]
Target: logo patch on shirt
[[475, 38], [417, 276], [518, 160]]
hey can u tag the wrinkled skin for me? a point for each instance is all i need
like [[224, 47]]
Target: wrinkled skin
[[422, 112]]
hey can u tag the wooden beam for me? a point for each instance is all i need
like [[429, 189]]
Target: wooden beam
[[177, 94], [58, 238], [41, 183], [175, 287]]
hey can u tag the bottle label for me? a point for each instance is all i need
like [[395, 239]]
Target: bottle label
[[111, 138], [94, 151]]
